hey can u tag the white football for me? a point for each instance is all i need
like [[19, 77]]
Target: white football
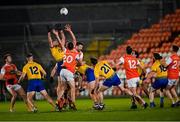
[[64, 11]]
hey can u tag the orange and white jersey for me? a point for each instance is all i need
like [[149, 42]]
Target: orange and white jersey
[[173, 63], [70, 60], [130, 65], [80, 55]]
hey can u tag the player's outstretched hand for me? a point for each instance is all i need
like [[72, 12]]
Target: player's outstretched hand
[[55, 32], [68, 27]]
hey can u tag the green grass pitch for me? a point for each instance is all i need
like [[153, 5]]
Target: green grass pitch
[[116, 109]]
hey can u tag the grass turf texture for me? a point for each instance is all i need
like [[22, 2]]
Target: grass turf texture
[[116, 109]]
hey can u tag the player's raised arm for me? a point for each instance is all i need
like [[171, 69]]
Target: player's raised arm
[[50, 39], [68, 29], [63, 38], [59, 40]]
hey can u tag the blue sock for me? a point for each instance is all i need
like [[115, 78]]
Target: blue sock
[[152, 104], [161, 99]]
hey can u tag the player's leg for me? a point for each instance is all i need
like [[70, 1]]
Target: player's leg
[[168, 93], [30, 95], [62, 85], [100, 97], [48, 98], [72, 90], [144, 87], [40, 88], [151, 98], [113, 81], [13, 98], [60, 88], [132, 84], [71, 84], [174, 93], [69, 76], [161, 93], [21, 92], [138, 98], [91, 86]]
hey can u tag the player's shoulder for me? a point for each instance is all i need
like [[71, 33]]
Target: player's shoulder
[[25, 66], [3, 67], [129, 57], [13, 65], [102, 62], [155, 64], [37, 64], [175, 56]]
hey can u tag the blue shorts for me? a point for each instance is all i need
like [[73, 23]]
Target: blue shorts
[[90, 75], [113, 81], [59, 67], [35, 85], [160, 83]]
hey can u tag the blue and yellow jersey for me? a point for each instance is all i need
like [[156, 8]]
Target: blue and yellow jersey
[[103, 69], [160, 70], [140, 71], [82, 69], [33, 70], [57, 53]]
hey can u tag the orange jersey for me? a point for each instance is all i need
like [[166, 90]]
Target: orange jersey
[[130, 65], [70, 60], [9, 74], [173, 66]]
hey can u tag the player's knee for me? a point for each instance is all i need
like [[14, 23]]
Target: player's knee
[[14, 95], [172, 89], [29, 97]]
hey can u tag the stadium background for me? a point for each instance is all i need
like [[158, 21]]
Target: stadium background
[[105, 28]]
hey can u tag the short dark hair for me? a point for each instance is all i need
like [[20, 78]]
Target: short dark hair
[[175, 48], [157, 56], [29, 55], [136, 53], [93, 60], [6, 55], [70, 45], [128, 50], [79, 43], [58, 27]]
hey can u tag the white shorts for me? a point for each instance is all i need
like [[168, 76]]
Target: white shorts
[[14, 87], [66, 75], [133, 82], [172, 82]]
